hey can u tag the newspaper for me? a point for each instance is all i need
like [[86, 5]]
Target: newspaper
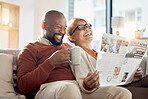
[[118, 59]]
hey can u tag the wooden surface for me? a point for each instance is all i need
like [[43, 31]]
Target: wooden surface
[[13, 37], [146, 39]]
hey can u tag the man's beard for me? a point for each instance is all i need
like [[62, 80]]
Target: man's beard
[[53, 40]]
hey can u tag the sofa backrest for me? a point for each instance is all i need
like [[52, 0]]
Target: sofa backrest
[[13, 52]]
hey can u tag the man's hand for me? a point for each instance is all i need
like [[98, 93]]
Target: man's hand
[[138, 74], [92, 80], [60, 57]]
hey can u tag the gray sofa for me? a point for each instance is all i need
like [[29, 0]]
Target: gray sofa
[[138, 92]]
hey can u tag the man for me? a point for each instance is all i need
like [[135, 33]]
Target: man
[[45, 64]]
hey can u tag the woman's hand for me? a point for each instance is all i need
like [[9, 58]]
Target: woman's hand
[[138, 74], [92, 80]]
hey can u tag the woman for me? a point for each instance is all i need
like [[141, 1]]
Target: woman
[[77, 35], [79, 32]]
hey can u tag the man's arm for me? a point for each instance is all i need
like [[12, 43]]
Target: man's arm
[[31, 76]]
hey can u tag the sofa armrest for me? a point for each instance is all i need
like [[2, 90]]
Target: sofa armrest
[[139, 92]]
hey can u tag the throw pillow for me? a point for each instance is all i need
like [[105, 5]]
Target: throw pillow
[[6, 79]]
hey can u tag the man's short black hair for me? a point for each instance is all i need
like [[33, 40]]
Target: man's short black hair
[[50, 14]]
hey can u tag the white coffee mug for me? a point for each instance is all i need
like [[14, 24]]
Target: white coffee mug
[[75, 55]]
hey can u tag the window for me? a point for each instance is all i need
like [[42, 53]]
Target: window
[[9, 25], [5, 16], [71, 9], [135, 17]]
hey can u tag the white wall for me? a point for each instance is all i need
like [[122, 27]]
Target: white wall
[[15, 2], [26, 31]]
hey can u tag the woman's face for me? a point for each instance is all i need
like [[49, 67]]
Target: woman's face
[[82, 33]]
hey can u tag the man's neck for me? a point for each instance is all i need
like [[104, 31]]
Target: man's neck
[[44, 41]]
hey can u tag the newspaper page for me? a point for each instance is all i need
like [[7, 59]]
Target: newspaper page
[[118, 59]]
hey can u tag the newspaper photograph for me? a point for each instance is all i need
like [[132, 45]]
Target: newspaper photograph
[[118, 59]]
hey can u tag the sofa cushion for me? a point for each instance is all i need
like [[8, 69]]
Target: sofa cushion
[[6, 77], [14, 53], [6, 80]]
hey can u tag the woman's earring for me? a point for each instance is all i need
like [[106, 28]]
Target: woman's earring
[[43, 26], [70, 38], [73, 40]]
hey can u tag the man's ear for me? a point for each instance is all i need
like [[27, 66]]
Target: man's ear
[[43, 26]]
